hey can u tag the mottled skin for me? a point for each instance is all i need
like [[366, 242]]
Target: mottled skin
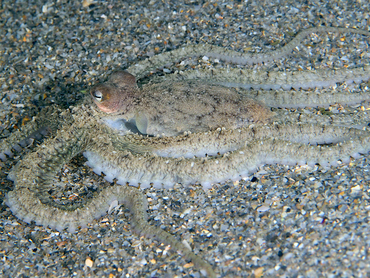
[[172, 108], [183, 131]]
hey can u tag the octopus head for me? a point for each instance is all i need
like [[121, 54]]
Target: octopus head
[[117, 95]]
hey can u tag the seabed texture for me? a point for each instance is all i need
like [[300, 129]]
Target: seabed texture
[[280, 222]]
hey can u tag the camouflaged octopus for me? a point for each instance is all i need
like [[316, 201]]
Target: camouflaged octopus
[[193, 127]]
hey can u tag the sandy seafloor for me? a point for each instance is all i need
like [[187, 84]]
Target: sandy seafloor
[[280, 222]]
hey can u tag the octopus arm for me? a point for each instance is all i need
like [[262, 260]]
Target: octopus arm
[[48, 120], [144, 67], [221, 140], [34, 174], [358, 119], [140, 225], [302, 99], [285, 80], [146, 169]]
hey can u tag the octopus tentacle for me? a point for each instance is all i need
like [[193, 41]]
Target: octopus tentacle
[[302, 99], [40, 126], [146, 169], [358, 119], [144, 67], [28, 207], [275, 80], [33, 175], [141, 227], [222, 140]]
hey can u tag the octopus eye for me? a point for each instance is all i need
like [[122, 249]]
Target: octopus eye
[[97, 95]]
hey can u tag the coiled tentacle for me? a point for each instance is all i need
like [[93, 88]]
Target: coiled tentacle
[[33, 176]]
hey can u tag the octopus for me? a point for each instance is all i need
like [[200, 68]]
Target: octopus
[[196, 127]]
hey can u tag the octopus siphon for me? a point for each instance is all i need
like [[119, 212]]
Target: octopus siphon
[[194, 127]]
